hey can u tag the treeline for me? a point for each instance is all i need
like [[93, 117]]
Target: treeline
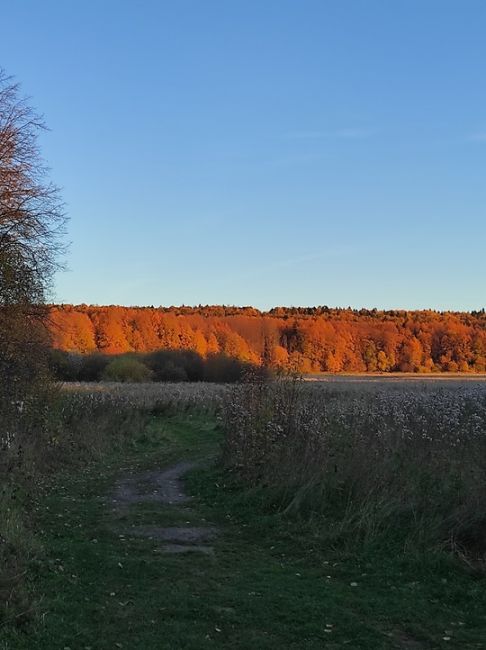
[[163, 365], [317, 339]]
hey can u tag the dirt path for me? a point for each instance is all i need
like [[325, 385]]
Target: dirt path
[[165, 487]]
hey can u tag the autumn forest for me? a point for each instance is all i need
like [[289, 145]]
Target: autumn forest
[[307, 340]]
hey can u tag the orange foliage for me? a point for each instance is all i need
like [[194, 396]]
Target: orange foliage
[[303, 339]]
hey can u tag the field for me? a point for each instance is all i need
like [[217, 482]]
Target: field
[[393, 377], [289, 514], [178, 396]]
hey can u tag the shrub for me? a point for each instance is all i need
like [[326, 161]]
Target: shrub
[[65, 366], [175, 365], [221, 368], [163, 366], [92, 366], [127, 369]]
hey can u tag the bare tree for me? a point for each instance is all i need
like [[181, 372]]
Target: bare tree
[[31, 224]]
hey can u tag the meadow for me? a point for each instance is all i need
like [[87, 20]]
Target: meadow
[[349, 514], [375, 458]]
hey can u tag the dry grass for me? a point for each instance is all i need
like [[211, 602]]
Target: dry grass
[[402, 460], [177, 395]]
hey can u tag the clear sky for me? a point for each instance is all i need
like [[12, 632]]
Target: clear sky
[[264, 152]]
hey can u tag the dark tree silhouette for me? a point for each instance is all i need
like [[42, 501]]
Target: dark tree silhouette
[[31, 222]]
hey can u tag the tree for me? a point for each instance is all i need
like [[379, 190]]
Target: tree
[[411, 355], [31, 222], [310, 340]]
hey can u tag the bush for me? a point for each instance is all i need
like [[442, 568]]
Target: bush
[[64, 366], [93, 366], [176, 365], [162, 366], [220, 368], [127, 369]]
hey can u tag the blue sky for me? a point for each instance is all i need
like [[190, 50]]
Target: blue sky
[[268, 152]]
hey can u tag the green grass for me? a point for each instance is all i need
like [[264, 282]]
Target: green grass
[[272, 583]]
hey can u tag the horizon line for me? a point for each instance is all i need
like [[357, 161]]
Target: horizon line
[[263, 311]]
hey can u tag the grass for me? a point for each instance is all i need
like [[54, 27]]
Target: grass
[[273, 582], [67, 428], [367, 457]]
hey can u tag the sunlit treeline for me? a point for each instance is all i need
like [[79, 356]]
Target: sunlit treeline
[[302, 339]]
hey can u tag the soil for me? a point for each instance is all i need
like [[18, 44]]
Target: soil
[[165, 487]]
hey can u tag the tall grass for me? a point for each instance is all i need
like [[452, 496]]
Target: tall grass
[[401, 462]]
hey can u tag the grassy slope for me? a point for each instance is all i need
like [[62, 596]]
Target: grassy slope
[[272, 583]]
